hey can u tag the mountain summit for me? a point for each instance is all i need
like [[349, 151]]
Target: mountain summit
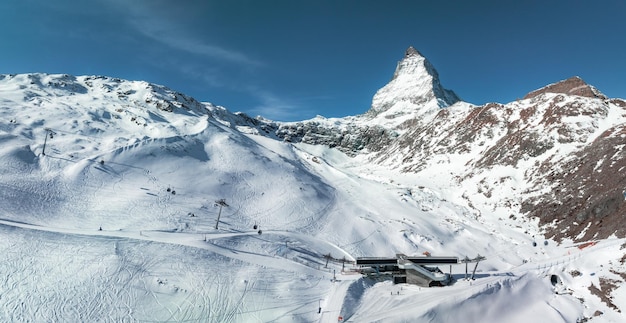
[[415, 87], [572, 86]]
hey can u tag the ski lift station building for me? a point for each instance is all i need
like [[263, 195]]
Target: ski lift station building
[[421, 271]]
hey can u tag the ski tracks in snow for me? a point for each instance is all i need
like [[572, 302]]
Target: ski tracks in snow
[[121, 283]]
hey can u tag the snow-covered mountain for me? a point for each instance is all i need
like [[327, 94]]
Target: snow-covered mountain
[[112, 190], [552, 156], [414, 95], [544, 154], [415, 83]]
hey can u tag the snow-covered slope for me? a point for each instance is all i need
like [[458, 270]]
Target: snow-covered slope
[[117, 220]]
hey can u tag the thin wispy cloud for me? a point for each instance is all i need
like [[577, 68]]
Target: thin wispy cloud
[[172, 33], [206, 75], [215, 65], [274, 107], [168, 35]]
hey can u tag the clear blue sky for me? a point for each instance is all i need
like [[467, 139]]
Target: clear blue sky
[[291, 60]]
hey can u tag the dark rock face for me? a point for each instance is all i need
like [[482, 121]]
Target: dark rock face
[[350, 140], [588, 200]]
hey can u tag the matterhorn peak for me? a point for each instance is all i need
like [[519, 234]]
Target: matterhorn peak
[[414, 63], [414, 89], [411, 51]]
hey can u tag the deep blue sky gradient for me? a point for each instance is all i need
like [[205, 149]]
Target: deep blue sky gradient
[[292, 60]]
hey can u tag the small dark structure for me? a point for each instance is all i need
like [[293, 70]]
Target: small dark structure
[[554, 279]]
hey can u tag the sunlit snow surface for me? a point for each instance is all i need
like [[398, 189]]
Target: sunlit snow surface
[[150, 178]]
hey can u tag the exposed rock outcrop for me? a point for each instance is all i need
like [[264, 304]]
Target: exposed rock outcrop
[[572, 86]]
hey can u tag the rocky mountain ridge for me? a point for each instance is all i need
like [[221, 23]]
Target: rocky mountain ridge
[[571, 86], [566, 153]]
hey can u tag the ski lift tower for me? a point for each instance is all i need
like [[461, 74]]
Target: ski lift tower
[[466, 260], [50, 133], [221, 203]]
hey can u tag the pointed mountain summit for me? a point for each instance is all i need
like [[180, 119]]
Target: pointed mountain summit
[[415, 87], [572, 86]]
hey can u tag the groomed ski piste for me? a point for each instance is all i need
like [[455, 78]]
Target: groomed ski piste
[[116, 223]]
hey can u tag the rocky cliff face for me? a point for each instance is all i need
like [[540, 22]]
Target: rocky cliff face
[[586, 200], [351, 138]]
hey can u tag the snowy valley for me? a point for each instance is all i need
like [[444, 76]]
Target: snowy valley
[[110, 197]]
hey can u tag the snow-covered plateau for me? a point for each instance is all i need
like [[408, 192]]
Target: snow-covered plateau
[[111, 190]]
